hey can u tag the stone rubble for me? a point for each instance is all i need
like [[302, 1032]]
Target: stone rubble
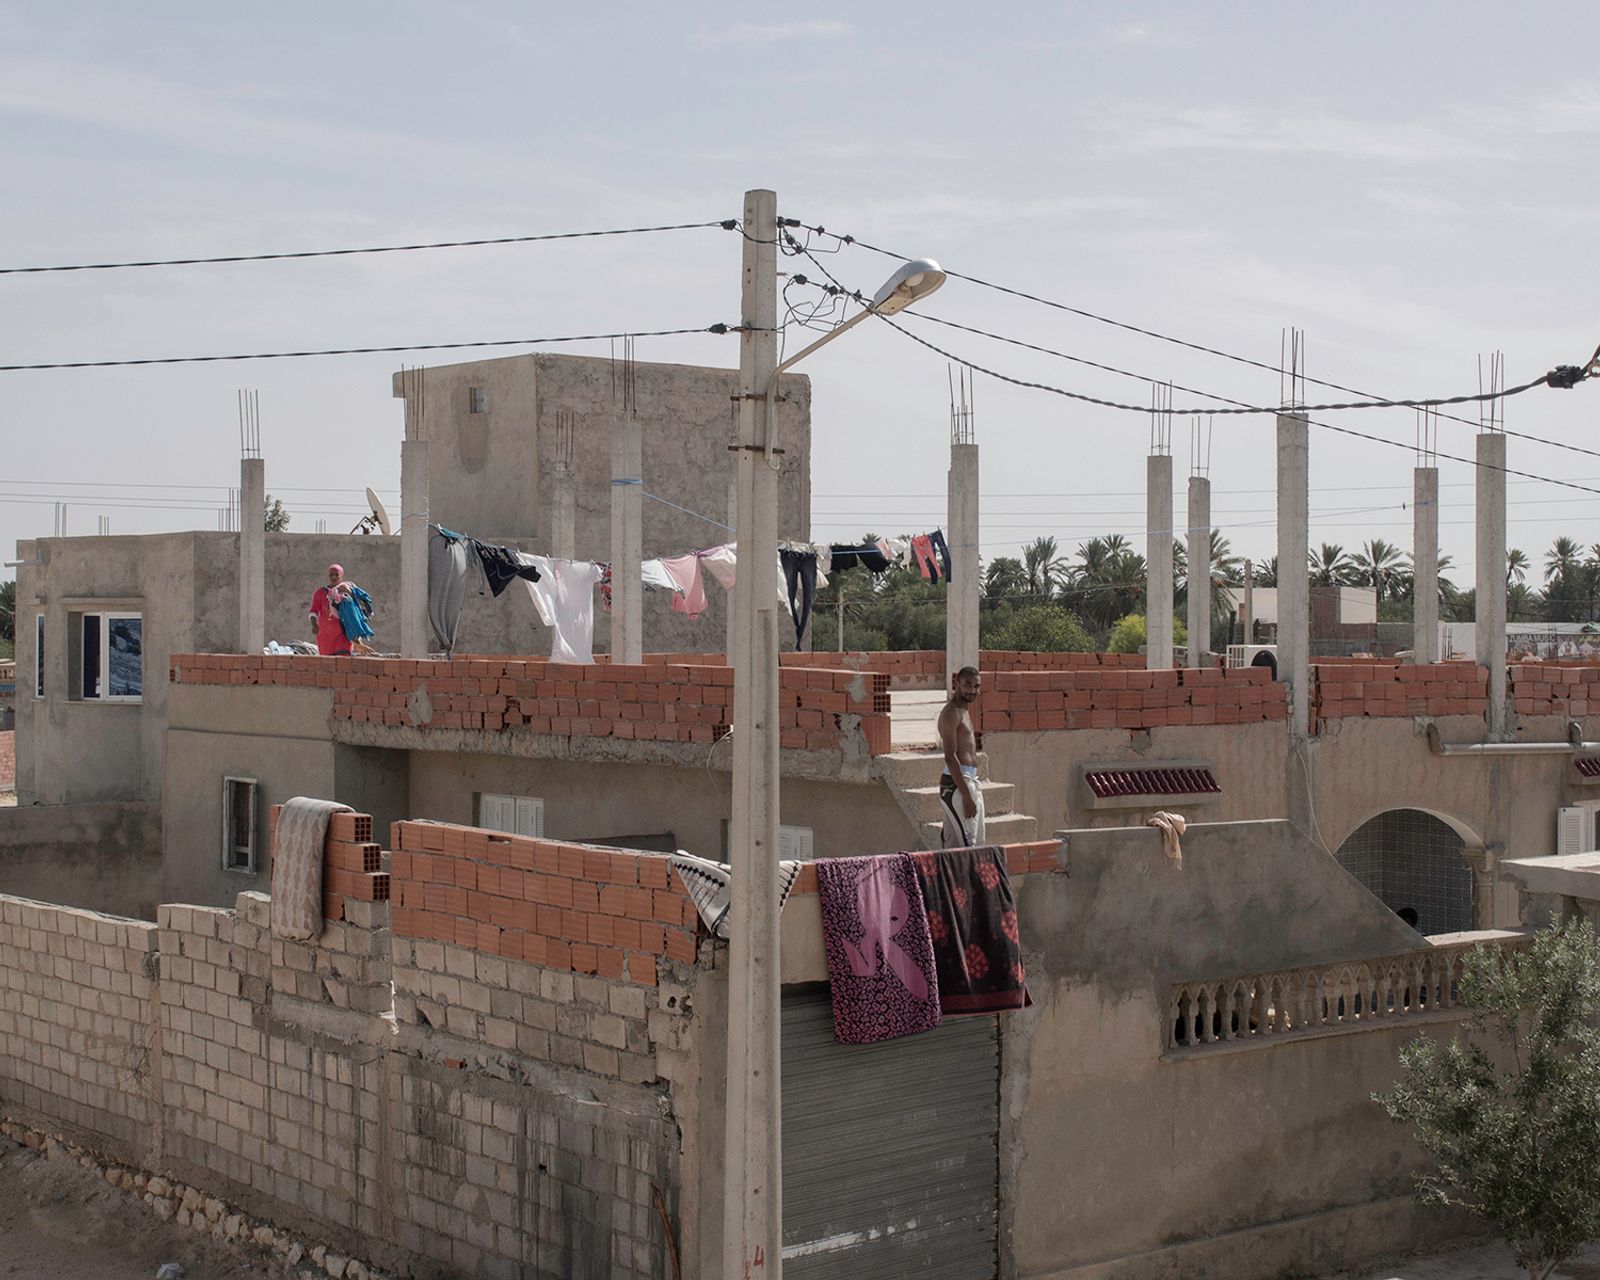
[[190, 1207]]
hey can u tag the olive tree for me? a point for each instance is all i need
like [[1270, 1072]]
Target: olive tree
[[1510, 1111]]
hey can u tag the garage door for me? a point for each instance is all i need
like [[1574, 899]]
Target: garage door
[[890, 1151]]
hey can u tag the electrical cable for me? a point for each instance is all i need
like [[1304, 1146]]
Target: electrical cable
[[362, 351], [725, 224], [1201, 347]]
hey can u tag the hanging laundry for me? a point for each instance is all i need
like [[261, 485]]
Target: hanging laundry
[[879, 951], [605, 586], [721, 563], [655, 577], [972, 917], [710, 889], [564, 597], [898, 550], [500, 566], [846, 555], [685, 574], [447, 583], [922, 554], [942, 550], [824, 565], [800, 576]]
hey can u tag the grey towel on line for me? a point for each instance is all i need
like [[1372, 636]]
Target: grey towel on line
[[297, 867], [447, 585], [707, 884]]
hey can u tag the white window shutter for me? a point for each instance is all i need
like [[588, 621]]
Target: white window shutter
[[1572, 830], [529, 817], [496, 813], [794, 844]]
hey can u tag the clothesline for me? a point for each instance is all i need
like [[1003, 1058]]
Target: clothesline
[[563, 590]]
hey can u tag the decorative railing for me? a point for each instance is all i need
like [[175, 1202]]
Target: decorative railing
[[1266, 1008]]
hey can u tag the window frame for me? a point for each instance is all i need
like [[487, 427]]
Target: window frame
[[229, 849], [106, 617]]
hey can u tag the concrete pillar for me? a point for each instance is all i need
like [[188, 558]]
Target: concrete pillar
[[252, 555], [627, 535], [1247, 604], [1294, 578], [738, 575], [1199, 551], [965, 589], [416, 640], [1491, 565], [563, 513], [1158, 561], [1425, 565], [752, 1216]]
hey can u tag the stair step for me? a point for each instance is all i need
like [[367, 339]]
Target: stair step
[[923, 802], [1005, 828], [907, 769]]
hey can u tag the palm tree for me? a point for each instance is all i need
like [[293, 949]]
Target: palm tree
[[8, 610], [1005, 577], [1330, 566], [1266, 574], [1043, 570], [1562, 559], [1379, 565], [1516, 566]]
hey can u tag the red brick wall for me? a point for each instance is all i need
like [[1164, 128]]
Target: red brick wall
[[1555, 688], [1029, 701], [8, 759], [650, 702], [1363, 688]]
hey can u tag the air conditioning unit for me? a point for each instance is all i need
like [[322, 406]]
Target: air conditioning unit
[[1254, 655]]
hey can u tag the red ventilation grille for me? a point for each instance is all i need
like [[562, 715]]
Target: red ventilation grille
[[1589, 766], [1108, 784]]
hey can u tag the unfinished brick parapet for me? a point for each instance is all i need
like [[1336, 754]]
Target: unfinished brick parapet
[[352, 862], [1130, 698], [818, 710], [1376, 688], [1570, 689]]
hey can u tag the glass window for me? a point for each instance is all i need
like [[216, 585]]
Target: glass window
[[38, 655], [89, 655], [124, 656], [108, 664]]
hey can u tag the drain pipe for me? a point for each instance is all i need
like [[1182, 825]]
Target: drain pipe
[[1571, 746]]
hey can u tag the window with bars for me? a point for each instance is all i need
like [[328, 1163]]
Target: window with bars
[[1409, 858], [239, 824]]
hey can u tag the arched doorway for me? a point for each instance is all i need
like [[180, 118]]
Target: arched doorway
[[1409, 858]]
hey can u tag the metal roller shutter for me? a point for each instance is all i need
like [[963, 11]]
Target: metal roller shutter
[[890, 1151]]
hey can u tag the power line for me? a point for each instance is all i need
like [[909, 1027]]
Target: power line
[[362, 351], [1192, 346], [725, 224]]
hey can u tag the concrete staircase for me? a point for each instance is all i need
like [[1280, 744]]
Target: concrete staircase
[[913, 777]]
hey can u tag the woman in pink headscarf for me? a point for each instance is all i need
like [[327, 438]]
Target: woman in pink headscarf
[[325, 624]]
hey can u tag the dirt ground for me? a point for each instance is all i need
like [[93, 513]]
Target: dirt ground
[[59, 1220]]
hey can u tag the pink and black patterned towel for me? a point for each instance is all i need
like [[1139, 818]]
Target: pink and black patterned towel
[[972, 919], [880, 955]]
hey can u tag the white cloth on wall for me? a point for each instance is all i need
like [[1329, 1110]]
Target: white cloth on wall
[[564, 597]]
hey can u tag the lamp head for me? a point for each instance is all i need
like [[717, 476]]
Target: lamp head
[[912, 282]]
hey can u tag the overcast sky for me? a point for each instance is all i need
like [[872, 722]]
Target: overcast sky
[[1410, 184]]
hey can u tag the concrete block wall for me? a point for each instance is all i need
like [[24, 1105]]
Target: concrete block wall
[[1090, 698], [79, 1037], [1345, 689], [663, 702]]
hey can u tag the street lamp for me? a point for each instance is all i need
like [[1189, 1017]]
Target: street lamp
[[752, 1224]]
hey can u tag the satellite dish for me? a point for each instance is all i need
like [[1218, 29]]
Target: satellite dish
[[379, 519]]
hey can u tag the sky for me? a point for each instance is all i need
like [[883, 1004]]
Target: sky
[[1409, 185]]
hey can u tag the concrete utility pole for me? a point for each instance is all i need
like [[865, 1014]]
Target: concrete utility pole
[[752, 1216], [1158, 561], [414, 624], [731, 604], [1294, 578], [1425, 565], [1491, 574], [964, 589], [252, 530], [563, 494], [627, 535], [1199, 552], [1247, 604]]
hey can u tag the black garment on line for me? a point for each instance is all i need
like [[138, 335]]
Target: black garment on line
[[501, 567], [800, 570], [942, 550], [846, 556]]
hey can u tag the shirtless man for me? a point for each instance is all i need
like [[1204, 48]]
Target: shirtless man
[[960, 796]]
